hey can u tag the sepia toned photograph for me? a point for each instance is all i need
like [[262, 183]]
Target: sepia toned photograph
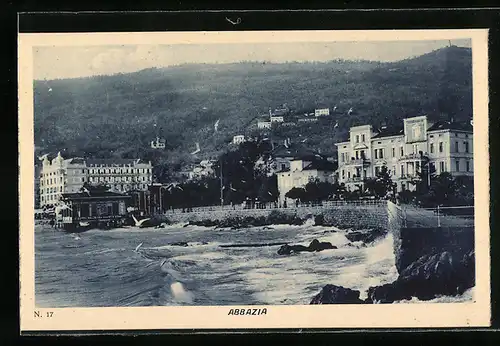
[[252, 173]]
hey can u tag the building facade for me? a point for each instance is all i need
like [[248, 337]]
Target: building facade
[[300, 172], [61, 175], [319, 112], [238, 139], [264, 125], [158, 143], [447, 146]]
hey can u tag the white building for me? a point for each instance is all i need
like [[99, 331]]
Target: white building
[[159, 143], [120, 175], [61, 175], [301, 171], [321, 112], [238, 139], [204, 169], [264, 125], [277, 119], [447, 146]]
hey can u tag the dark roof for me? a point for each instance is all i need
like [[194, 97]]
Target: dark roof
[[295, 151], [321, 165], [94, 195], [111, 161], [446, 125], [388, 132]]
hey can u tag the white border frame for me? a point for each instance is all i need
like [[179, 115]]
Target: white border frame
[[433, 315]]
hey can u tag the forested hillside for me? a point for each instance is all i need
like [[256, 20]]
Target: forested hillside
[[118, 115]]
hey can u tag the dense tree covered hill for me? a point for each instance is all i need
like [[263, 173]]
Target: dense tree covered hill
[[119, 115]]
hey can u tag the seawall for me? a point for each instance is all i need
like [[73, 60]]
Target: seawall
[[413, 240], [355, 215]]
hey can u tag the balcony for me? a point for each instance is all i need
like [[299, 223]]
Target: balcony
[[357, 162], [354, 179], [413, 157]]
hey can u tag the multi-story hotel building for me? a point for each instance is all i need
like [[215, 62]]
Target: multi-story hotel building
[[446, 145], [61, 175]]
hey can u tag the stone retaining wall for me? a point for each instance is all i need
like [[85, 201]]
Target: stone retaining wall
[[342, 216]]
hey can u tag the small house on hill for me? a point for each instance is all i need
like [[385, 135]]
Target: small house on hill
[[158, 143]]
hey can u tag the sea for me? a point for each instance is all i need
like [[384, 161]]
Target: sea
[[191, 265]]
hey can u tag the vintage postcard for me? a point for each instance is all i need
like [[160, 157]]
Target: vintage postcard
[[242, 180]]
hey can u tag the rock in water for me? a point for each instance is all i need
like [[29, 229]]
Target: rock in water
[[366, 237], [315, 246], [289, 249], [332, 294], [429, 277]]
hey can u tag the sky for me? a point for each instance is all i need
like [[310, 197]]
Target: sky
[[57, 62]]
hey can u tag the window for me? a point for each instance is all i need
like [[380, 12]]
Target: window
[[417, 167], [394, 170], [362, 154], [357, 138], [376, 153], [83, 171], [441, 147], [343, 174], [363, 138], [348, 175], [441, 167], [402, 170], [466, 147], [457, 165], [393, 152], [456, 147], [432, 148], [357, 154], [377, 170], [467, 166], [402, 152]]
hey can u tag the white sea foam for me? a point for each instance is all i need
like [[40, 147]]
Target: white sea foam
[[180, 294], [466, 297]]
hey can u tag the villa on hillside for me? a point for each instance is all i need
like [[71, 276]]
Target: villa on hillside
[[158, 143], [238, 139], [404, 151]]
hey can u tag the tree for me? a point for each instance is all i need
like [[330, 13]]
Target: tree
[[380, 186], [298, 193]]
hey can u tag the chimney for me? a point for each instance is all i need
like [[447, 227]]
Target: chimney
[[383, 126]]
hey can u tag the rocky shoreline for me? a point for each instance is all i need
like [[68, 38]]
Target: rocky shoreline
[[431, 276]]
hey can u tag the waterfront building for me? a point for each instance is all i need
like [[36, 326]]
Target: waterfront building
[[94, 208], [158, 143], [61, 175], [58, 176], [121, 175], [37, 186], [446, 146], [238, 139], [318, 112], [302, 170]]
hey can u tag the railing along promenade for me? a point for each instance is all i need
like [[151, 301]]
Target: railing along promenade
[[264, 206]]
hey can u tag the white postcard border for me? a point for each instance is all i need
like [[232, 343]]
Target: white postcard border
[[434, 315]]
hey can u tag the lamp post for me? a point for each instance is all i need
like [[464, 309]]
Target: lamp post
[[160, 197], [221, 187]]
